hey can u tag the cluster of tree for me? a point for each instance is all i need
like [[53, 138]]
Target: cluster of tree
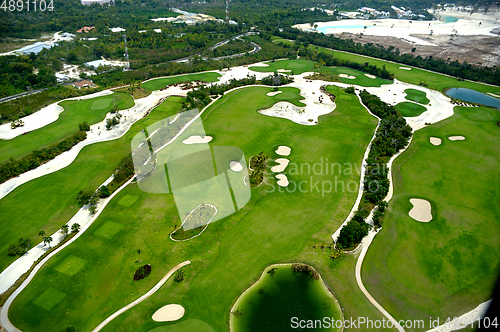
[[20, 248], [307, 269], [142, 272], [91, 198], [84, 126], [350, 90], [235, 46], [122, 174], [111, 122], [353, 232], [276, 79], [13, 168], [179, 276], [258, 165]]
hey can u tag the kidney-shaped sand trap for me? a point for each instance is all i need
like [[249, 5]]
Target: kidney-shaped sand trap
[[349, 77], [421, 210], [370, 76], [169, 313], [456, 138], [435, 141], [283, 150], [235, 166], [197, 140], [273, 93], [283, 163], [282, 180]]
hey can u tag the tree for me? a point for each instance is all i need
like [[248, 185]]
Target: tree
[[179, 276], [104, 192], [65, 230], [25, 244], [47, 240], [41, 233], [75, 228]]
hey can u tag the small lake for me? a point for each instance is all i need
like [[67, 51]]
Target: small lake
[[473, 96], [270, 304], [448, 19]]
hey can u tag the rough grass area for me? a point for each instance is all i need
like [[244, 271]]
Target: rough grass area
[[409, 109], [160, 83], [361, 78], [417, 96], [297, 67]]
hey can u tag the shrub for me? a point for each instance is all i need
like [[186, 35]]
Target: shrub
[[349, 90], [104, 192], [352, 234], [142, 272], [179, 275], [84, 126]]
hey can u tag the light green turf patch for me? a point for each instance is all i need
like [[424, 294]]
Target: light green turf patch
[[416, 96], [481, 115], [361, 78], [296, 66], [49, 298], [409, 109], [71, 265], [101, 103], [127, 200], [285, 96], [185, 326], [110, 228], [160, 83]]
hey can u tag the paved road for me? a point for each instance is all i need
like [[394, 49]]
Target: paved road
[[22, 94]]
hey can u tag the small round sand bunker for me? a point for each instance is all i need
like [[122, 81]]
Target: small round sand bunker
[[236, 166], [456, 138], [405, 68], [197, 140], [283, 150], [435, 141], [169, 313], [370, 76], [283, 163], [282, 180], [421, 210], [350, 77], [273, 93]]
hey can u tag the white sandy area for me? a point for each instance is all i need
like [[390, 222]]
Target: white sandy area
[[370, 76], [283, 150], [283, 163], [284, 71], [239, 73], [169, 313], [421, 210], [459, 323], [273, 93], [494, 95], [43, 117], [350, 77], [282, 180], [456, 138], [197, 140], [235, 166], [260, 64], [405, 68], [435, 140]]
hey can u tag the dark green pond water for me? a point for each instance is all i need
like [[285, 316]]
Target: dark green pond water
[[276, 298], [473, 96]]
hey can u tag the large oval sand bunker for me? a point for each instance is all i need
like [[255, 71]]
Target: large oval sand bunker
[[197, 140], [435, 140], [421, 210], [169, 313], [456, 138]]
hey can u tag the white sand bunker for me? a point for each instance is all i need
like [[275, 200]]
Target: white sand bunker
[[405, 68], [283, 150], [235, 166], [283, 163], [282, 180], [273, 93], [456, 138], [370, 76], [284, 71], [350, 77], [421, 210], [197, 140], [435, 141], [169, 313]]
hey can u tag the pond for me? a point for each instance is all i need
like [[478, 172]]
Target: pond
[[473, 96], [281, 294]]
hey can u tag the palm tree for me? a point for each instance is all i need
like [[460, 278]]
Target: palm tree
[[41, 233], [65, 230], [47, 240], [75, 228]]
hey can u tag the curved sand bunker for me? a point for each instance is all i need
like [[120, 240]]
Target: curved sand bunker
[[235, 166], [169, 313], [283, 163], [284, 71], [282, 180], [273, 93], [197, 140], [283, 150], [435, 141], [421, 210], [350, 77], [405, 68], [370, 76], [456, 138]]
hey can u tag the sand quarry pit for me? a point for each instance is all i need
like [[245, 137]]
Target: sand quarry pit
[[235, 166], [283, 150], [273, 93], [283, 163], [456, 138], [169, 313], [370, 76], [350, 77], [197, 140], [421, 210], [405, 68], [282, 180], [435, 141]]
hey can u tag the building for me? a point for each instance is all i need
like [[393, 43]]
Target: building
[[34, 48], [86, 29], [83, 84]]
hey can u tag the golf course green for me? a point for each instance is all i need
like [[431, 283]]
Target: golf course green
[[409, 109], [416, 96]]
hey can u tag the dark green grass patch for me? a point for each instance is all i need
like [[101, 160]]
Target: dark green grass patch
[[110, 228], [160, 83], [49, 299], [417, 96], [410, 109], [71, 265], [127, 200]]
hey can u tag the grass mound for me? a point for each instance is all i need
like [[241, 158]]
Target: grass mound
[[409, 109], [197, 221]]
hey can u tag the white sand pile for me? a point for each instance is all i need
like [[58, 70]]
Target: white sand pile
[[456, 138], [197, 140], [405, 68], [421, 210], [283, 163], [370, 76], [284, 71], [273, 93], [169, 313], [235, 166], [282, 180], [494, 95], [350, 77], [283, 150], [435, 141]]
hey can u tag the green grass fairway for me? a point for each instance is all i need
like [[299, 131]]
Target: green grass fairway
[[187, 325], [71, 265], [450, 265], [127, 200], [232, 253], [49, 299], [296, 66], [289, 94], [109, 229], [75, 112], [160, 83], [482, 115], [409, 109], [417, 96], [361, 78], [49, 202]]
